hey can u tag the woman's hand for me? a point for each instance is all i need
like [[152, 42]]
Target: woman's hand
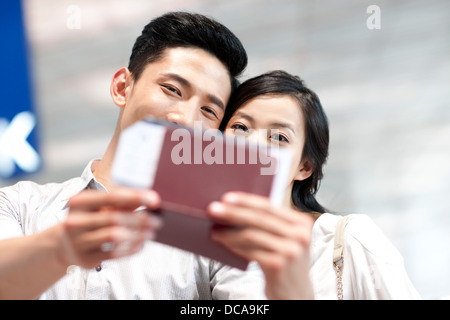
[[277, 238], [103, 225]]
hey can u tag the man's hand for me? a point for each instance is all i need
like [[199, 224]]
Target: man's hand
[[103, 226]]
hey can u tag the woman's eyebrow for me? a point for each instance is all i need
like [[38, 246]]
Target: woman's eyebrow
[[276, 124], [244, 115], [285, 125]]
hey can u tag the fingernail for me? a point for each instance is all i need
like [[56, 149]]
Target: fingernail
[[217, 207], [231, 197], [150, 198]]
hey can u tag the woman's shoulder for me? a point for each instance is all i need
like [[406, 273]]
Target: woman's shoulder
[[360, 232]]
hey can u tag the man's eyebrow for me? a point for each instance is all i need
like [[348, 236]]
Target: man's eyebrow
[[214, 99], [178, 78]]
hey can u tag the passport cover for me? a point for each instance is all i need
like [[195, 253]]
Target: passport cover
[[190, 168]]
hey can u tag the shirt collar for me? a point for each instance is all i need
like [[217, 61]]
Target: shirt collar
[[85, 181], [88, 175]]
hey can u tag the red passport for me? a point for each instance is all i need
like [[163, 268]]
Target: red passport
[[190, 168]]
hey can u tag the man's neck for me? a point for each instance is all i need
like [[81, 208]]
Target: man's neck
[[102, 168]]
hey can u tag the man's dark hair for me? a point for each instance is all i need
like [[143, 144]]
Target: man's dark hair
[[315, 150], [190, 30]]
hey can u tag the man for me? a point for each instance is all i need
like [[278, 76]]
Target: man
[[83, 239]]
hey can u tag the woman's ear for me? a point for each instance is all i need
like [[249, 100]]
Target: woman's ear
[[305, 170], [120, 81]]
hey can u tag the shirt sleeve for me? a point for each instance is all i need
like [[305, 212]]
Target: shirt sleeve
[[10, 220], [375, 267], [234, 284]]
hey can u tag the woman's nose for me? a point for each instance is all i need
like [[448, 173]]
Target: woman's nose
[[258, 137]]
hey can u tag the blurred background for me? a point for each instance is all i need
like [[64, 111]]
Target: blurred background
[[381, 69]]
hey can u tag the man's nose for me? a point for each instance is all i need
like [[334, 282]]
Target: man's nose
[[178, 118], [182, 115]]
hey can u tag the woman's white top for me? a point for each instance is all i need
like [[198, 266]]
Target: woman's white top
[[373, 267]]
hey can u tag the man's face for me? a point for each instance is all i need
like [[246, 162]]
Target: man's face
[[186, 85]]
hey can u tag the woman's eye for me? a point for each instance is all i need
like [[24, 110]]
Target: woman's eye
[[279, 138], [239, 127]]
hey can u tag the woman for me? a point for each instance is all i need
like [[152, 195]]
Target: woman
[[294, 243]]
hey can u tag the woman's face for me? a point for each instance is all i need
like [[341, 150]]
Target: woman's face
[[275, 120]]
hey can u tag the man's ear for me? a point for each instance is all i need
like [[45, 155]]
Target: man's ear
[[305, 170], [119, 83]]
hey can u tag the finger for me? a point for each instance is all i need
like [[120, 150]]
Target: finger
[[130, 245], [247, 200], [95, 256], [259, 203], [252, 243], [112, 241], [241, 217], [237, 216], [81, 222], [123, 198]]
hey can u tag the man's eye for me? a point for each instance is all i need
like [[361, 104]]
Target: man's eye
[[239, 127], [210, 111], [171, 89]]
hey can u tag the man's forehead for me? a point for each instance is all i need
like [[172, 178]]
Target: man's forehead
[[194, 65], [186, 55]]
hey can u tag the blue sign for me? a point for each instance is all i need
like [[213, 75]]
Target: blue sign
[[18, 122]]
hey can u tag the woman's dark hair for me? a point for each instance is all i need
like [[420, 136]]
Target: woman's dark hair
[[183, 29], [315, 150]]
